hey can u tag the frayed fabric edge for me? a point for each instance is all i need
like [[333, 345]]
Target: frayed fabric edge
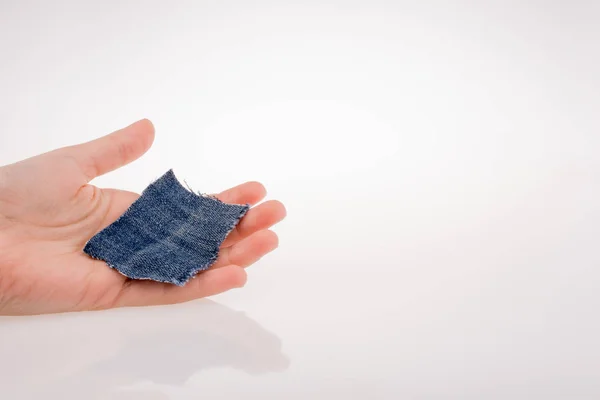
[[213, 259]]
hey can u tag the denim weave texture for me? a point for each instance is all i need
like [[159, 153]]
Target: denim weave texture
[[168, 235]]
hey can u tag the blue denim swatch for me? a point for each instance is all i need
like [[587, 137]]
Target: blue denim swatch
[[168, 235]]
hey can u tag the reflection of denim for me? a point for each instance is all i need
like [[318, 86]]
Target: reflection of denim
[[168, 235]]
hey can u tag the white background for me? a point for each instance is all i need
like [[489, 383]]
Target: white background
[[439, 162]]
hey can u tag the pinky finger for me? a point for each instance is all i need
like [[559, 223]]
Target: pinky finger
[[208, 283]]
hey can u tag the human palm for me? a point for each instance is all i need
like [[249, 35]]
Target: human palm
[[48, 211]]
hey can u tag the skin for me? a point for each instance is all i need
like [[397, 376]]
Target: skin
[[49, 210]]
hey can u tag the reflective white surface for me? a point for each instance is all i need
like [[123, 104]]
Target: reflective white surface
[[439, 162]]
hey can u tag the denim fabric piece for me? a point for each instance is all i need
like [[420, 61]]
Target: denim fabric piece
[[168, 235]]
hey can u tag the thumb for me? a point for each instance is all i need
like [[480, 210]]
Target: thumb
[[113, 151]]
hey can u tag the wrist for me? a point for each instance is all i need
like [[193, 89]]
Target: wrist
[[3, 195]]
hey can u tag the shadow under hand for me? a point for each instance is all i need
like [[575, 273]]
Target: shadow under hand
[[82, 355]]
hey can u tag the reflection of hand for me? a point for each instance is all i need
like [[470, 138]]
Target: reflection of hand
[[75, 355], [48, 211]]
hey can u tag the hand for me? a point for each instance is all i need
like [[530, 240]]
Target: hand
[[48, 211]]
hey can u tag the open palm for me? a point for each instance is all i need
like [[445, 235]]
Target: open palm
[[48, 211]]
